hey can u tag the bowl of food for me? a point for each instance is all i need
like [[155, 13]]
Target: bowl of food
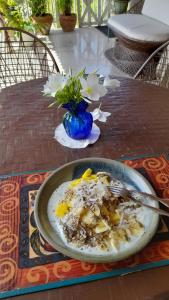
[[77, 213]]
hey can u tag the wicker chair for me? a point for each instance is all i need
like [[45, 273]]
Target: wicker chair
[[23, 57], [126, 59], [136, 8], [155, 70], [139, 34]]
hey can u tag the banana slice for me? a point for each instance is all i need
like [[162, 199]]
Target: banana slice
[[88, 218], [114, 244], [101, 227], [96, 210], [114, 241], [136, 228]]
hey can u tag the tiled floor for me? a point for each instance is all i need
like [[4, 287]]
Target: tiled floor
[[83, 48]]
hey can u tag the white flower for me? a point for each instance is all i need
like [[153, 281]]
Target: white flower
[[100, 115], [91, 88], [111, 83], [55, 82]]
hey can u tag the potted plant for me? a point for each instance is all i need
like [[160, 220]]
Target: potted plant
[[40, 17], [67, 18], [121, 6]]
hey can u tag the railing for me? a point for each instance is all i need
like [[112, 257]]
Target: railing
[[89, 12], [94, 12]]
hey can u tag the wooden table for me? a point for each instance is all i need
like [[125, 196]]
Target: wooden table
[[139, 125]]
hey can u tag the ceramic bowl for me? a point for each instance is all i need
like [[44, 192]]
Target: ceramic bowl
[[130, 177]]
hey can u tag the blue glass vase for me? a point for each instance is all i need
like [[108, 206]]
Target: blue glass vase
[[77, 121]]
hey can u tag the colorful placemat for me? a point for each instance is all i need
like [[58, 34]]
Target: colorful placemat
[[29, 264]]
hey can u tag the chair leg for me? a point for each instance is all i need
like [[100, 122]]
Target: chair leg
[[108, 32]]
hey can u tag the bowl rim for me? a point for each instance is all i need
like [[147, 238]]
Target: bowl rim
[[71, 252]]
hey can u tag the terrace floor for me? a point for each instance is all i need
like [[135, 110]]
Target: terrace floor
[[83, 48]]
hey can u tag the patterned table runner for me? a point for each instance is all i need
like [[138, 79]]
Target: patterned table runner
[[28, 263]]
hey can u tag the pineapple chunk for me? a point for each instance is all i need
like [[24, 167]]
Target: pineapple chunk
[[101, 227]]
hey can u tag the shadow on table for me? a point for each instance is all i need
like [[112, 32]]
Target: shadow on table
[[163, 296]]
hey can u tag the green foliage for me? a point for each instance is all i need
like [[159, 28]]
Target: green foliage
[[38, 7], [65, 6], [11, 2], [11, 13], [28, 26], [70, 92]]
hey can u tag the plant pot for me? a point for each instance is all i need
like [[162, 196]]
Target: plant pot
[[68, 23], [43, 23], [120, 6]]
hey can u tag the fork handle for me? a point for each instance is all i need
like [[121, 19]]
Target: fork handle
[[152, 197], [157, 210]]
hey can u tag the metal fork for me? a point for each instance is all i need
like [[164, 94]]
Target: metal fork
[[123, 192], [133, 193]]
